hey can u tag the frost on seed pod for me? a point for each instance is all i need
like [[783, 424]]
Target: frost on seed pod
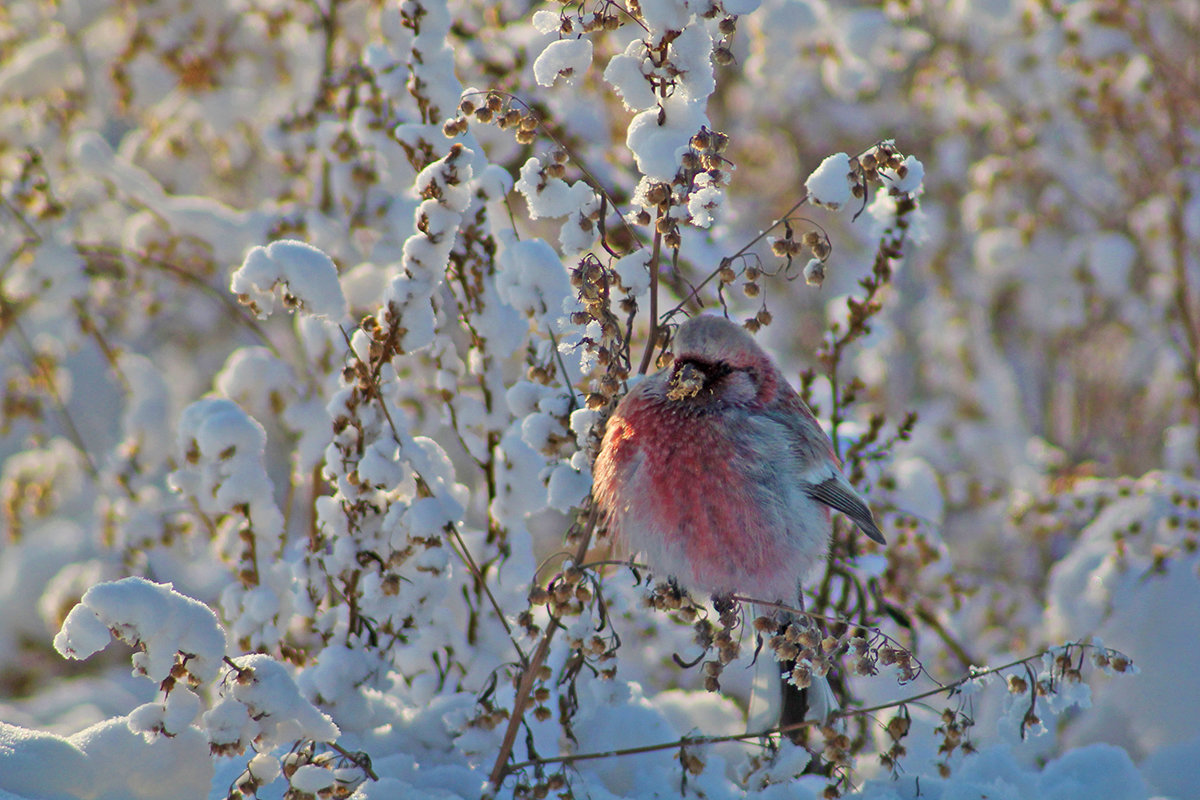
[[814, 272], [802, 675]]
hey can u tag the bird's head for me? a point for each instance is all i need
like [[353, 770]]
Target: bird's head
[[718, 363]]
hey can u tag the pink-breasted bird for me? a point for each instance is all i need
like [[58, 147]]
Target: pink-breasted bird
[[718, 473]]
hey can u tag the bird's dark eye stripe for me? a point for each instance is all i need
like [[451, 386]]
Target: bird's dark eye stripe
[[713, 370]]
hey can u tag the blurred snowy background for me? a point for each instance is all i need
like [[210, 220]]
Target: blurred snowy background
[[303, 310]]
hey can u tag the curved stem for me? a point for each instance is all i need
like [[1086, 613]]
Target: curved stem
[[652, 338]]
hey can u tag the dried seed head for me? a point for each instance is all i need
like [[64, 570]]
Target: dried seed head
[[802, 675], [658, 194], [897, 727]]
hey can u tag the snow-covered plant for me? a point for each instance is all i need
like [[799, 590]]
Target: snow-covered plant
[[312, 316]]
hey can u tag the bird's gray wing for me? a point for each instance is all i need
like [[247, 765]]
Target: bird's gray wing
[[836, 494]]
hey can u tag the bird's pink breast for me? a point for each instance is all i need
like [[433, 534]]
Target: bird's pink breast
[[681, 488]]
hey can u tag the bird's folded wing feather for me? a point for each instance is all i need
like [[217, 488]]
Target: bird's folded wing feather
[[837, 495]]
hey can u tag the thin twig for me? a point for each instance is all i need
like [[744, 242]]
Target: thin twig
[[745, 249], [451, 528], [501, 768], [839, 621], [688, 741], [652, 337], [477, 573], [52, 389]]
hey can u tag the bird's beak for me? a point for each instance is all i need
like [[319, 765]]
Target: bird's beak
[[687, 381]]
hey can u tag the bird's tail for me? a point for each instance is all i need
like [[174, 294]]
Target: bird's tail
[[785, 703], [815, 702]]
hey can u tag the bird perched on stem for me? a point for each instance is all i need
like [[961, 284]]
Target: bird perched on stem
[[718, 473]]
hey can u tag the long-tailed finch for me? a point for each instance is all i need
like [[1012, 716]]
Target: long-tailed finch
[[717, 472]]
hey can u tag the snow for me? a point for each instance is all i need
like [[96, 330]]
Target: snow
[[223, 451], [532, 280], [551, 197], [151, 615], [311, 778], [568, 59], [704, 203], [265, 768], [197, 482], [42, 766], [633, 271], [914, 175], [624, 74], [544, 21], [297, 269], [1100, 771], [829, 185], [656, 147], [273, 702], [567, 487]]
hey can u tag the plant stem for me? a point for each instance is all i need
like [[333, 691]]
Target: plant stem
[[501, 767]]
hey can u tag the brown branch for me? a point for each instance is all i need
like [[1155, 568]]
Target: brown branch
[[501, 768], [652, 336], [688, 741]]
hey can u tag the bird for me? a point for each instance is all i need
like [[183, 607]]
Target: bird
[[716, 471]]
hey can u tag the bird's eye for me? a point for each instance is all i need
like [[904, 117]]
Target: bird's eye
[[717, 371]]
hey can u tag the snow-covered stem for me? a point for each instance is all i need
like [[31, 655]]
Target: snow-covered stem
[[530, 674]]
